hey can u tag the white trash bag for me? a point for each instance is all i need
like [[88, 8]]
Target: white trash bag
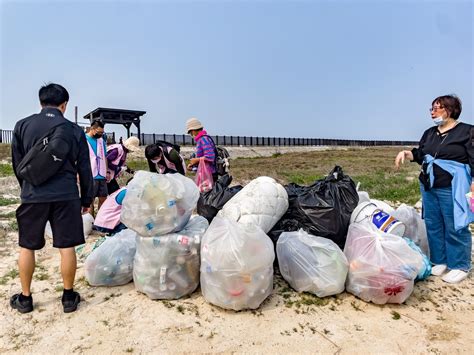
[[167, 266], [382, 267], [157, 204], [111, 264], [311, 264], [236, 265], [87, 222], [262, 202], [415, 226]]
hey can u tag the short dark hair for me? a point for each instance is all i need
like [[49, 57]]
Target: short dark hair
[[451, 103], [53, 95], [152, 151], [97, 123]]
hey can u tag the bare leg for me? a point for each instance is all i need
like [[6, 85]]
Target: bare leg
[[26, 266], [68, 266]]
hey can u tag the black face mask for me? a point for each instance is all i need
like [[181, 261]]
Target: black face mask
[[97, 135]]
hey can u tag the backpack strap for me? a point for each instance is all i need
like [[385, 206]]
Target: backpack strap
[[215, 149]]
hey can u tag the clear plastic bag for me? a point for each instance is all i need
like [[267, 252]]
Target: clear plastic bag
[[236, 265], [157, 204], [111, 264], [261, 202], [426, 269], [311, 264], [167, 266], [415, 226], [204, 179], [382, 267]]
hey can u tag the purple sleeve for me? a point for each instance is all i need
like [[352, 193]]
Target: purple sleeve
[[112, 155]]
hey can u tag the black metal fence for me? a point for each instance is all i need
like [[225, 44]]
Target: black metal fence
[[184, 139]]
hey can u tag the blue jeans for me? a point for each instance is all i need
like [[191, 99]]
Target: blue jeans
[[447, 246]]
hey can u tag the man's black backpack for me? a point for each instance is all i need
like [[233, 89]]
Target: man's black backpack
[[46, 156], [222, 159]]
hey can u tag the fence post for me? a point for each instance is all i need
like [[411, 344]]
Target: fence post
[[1, 135], [164, 137], [174, 139], [143, 139], [154, 138]]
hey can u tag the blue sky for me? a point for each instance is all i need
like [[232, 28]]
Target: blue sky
[[322, 69]]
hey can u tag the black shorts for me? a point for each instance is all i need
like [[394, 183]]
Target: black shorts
[[66, 223], [100, 188]]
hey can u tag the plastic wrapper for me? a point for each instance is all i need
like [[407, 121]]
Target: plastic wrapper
[[111, 263], [236, 265], [262, 202], [157, 204], [311, 264], [382, 267], [323, 208], [425, 271], [415, 228], [211, 202], [167, 266]]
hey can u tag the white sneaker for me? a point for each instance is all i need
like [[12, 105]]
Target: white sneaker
[[438, 270], [455, 276]]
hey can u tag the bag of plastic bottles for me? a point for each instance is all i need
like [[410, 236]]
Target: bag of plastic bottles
[[111, 264], [415, 228], [261, 202], [167, 266], [426, 269], [236, 265], [382, 267], [157, 204], [311, 264]]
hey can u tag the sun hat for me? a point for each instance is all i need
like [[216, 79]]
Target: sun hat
[[193, 123], [132, 144]]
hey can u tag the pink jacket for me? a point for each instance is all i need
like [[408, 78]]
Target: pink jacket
[[109, 213]]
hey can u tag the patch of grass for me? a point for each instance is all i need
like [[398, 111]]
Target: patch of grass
[[6, 170], [8, 215], [167, 304], [129, 350], [41, 276], [356, 306], [395, 315], [180, 309], [59, 288], [13, 225], [8, 201], [10, 275]]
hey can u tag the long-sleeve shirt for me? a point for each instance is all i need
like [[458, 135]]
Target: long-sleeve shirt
[[454, 144], [63, 185], [205, 148]]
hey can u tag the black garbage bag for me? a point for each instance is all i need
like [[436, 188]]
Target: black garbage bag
[[322, 209], [212, 201]]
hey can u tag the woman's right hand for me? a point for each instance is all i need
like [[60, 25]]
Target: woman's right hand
[[400, 159]]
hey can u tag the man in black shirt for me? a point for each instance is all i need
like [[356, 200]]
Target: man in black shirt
[[56, 200]]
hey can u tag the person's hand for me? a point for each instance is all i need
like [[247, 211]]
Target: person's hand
[[400, 159], [190, 167], [86, 210]]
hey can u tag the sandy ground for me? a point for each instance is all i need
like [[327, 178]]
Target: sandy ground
[[437, 318]]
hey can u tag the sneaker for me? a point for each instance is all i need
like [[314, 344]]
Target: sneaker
[[70, 305], [22, 306], [455, 276], [438, 270]]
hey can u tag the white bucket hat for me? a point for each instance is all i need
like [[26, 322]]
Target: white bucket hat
[[132, 144], [193, 123]]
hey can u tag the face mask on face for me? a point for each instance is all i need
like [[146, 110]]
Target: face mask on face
[[154, 161], [438, 121]]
